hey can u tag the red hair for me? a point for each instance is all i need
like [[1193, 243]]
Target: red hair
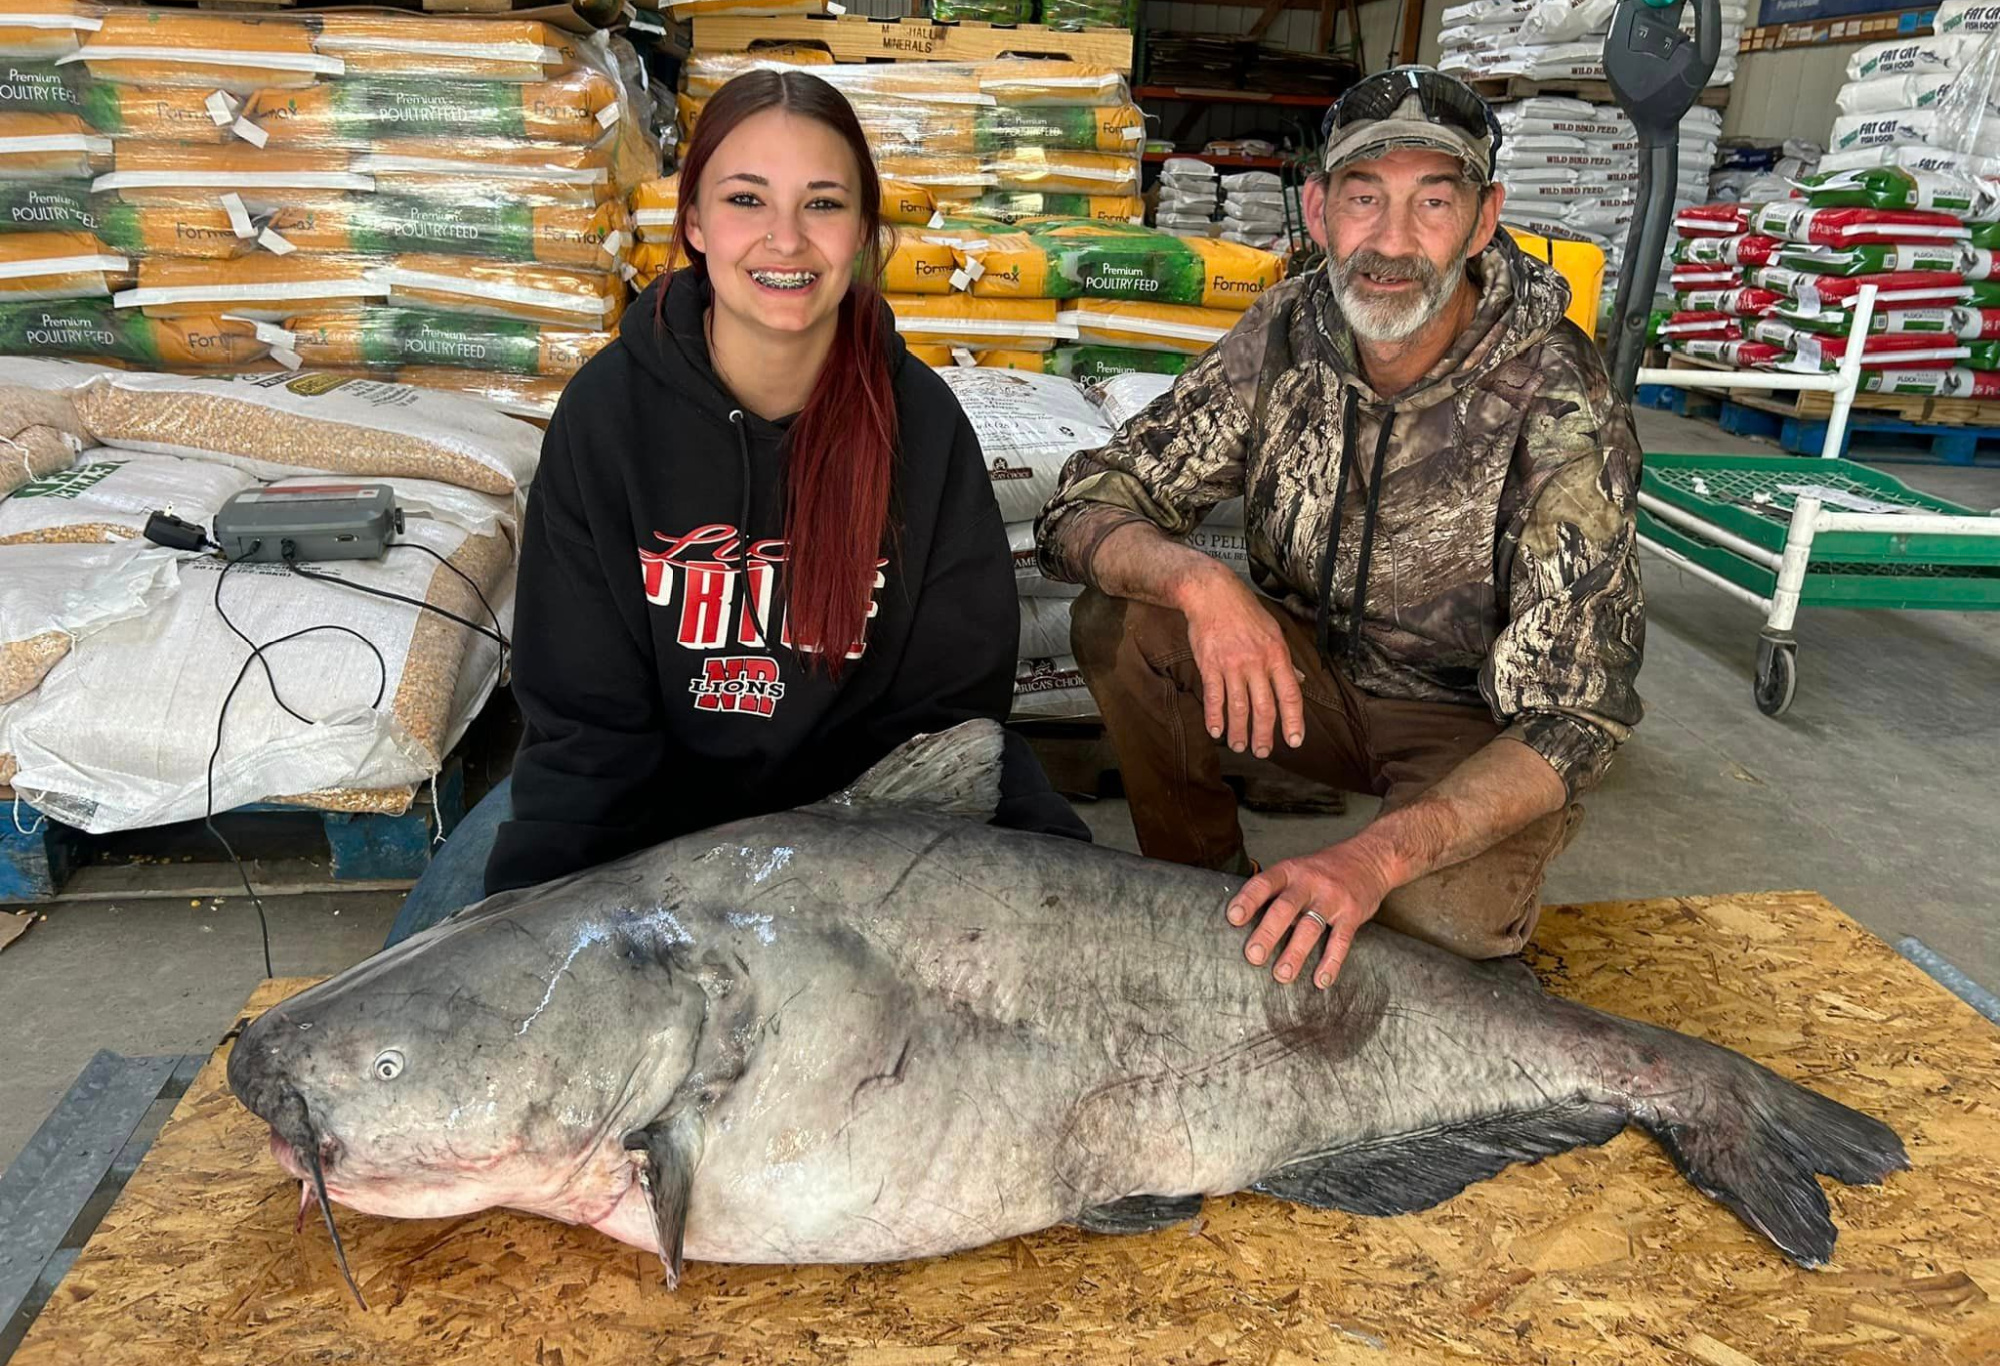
[[840, 452]]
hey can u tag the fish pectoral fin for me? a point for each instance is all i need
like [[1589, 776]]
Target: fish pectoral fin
[[1139, 1213], [954, 772], [666, 1152], [1404, 1173]]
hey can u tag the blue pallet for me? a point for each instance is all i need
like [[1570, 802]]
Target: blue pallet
[[37, 854], [1942, 443]]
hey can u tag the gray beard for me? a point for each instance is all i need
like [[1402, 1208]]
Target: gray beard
[[1385, 321]]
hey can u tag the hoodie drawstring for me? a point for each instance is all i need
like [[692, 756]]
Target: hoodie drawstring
[[1350, 424], [743, 463]]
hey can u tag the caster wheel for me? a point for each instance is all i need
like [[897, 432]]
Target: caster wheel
[[1777, 679]]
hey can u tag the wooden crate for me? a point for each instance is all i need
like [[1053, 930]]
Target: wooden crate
[[1958, 412], [1599, 1257], [1597, 92], [850, 38]]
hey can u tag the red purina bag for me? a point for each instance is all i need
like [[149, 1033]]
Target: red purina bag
[[1714, 220], [1707, 277], [1739, 353], [1796, 221]]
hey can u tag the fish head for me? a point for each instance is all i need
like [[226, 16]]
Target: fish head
[[469, 1066]]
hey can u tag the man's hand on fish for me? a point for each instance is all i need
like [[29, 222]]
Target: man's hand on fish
[[1332, 893], [1249, 685]]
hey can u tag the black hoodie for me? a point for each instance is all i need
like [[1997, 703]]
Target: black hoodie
[[649, 664]]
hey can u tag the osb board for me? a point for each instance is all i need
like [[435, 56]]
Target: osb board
[[1814, 405], [1594, 1257], [851, 38]]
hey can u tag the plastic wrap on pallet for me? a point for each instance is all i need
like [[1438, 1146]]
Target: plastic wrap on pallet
[[269, 166], [951, 84]]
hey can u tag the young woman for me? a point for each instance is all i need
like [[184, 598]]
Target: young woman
[[761, 550]]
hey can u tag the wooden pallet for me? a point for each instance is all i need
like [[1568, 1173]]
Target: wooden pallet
[[1871, 436], [1596, 1257], [37, 854], [1597, 92], [850, 38], [1814, 405]]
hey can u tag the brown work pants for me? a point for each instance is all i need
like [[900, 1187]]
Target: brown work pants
[[1141, 671]]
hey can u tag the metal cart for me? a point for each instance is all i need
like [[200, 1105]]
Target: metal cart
[[1778, 532]]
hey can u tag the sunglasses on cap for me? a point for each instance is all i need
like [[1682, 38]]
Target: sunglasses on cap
[[1445, 100]]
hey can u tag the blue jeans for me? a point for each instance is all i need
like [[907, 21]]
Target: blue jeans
[[456, 877]]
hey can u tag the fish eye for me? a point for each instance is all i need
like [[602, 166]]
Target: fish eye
[[388, 1065]]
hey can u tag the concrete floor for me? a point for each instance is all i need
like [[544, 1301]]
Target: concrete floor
[[1877, 789]]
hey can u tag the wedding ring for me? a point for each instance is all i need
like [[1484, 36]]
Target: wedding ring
[[1315, 917]]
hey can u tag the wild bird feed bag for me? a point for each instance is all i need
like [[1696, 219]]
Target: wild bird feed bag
[[109, 494], [277, 425], [57, 594], [390, 338], [120, 737], [1028, 427]]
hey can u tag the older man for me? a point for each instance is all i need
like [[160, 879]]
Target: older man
[[1440, 488]]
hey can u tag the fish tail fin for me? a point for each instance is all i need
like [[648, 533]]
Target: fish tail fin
[[1753, 1141]]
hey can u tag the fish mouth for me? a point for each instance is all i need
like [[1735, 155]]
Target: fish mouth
[[296, 1142]]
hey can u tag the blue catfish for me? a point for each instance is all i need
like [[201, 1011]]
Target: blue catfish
[[878, 1028]]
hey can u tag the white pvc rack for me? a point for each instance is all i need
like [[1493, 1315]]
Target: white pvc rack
[[1775, 666]]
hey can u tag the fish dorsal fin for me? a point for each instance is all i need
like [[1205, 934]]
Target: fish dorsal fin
[[954, 772]]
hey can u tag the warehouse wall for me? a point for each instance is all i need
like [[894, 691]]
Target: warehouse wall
[[1296, 29], [1787, 94]]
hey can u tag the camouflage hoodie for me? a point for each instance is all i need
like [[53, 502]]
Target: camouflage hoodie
[[1496, 549]]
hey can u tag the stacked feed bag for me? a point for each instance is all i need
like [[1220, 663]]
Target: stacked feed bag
[[117, 665], [1029, 426], [1923, 104], [1001, 138], [1746, 169], [1131, 299], [1260, 210], [1796, 267], [1190, 198], [1572, 167], [1555, 40], [378, 193]]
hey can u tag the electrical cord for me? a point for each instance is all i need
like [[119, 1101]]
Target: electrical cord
[[491, 634], [222, 717], [169, 531]]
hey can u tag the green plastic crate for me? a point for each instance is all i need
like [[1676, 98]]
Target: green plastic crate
[[1847, 569], [1728, 483]]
